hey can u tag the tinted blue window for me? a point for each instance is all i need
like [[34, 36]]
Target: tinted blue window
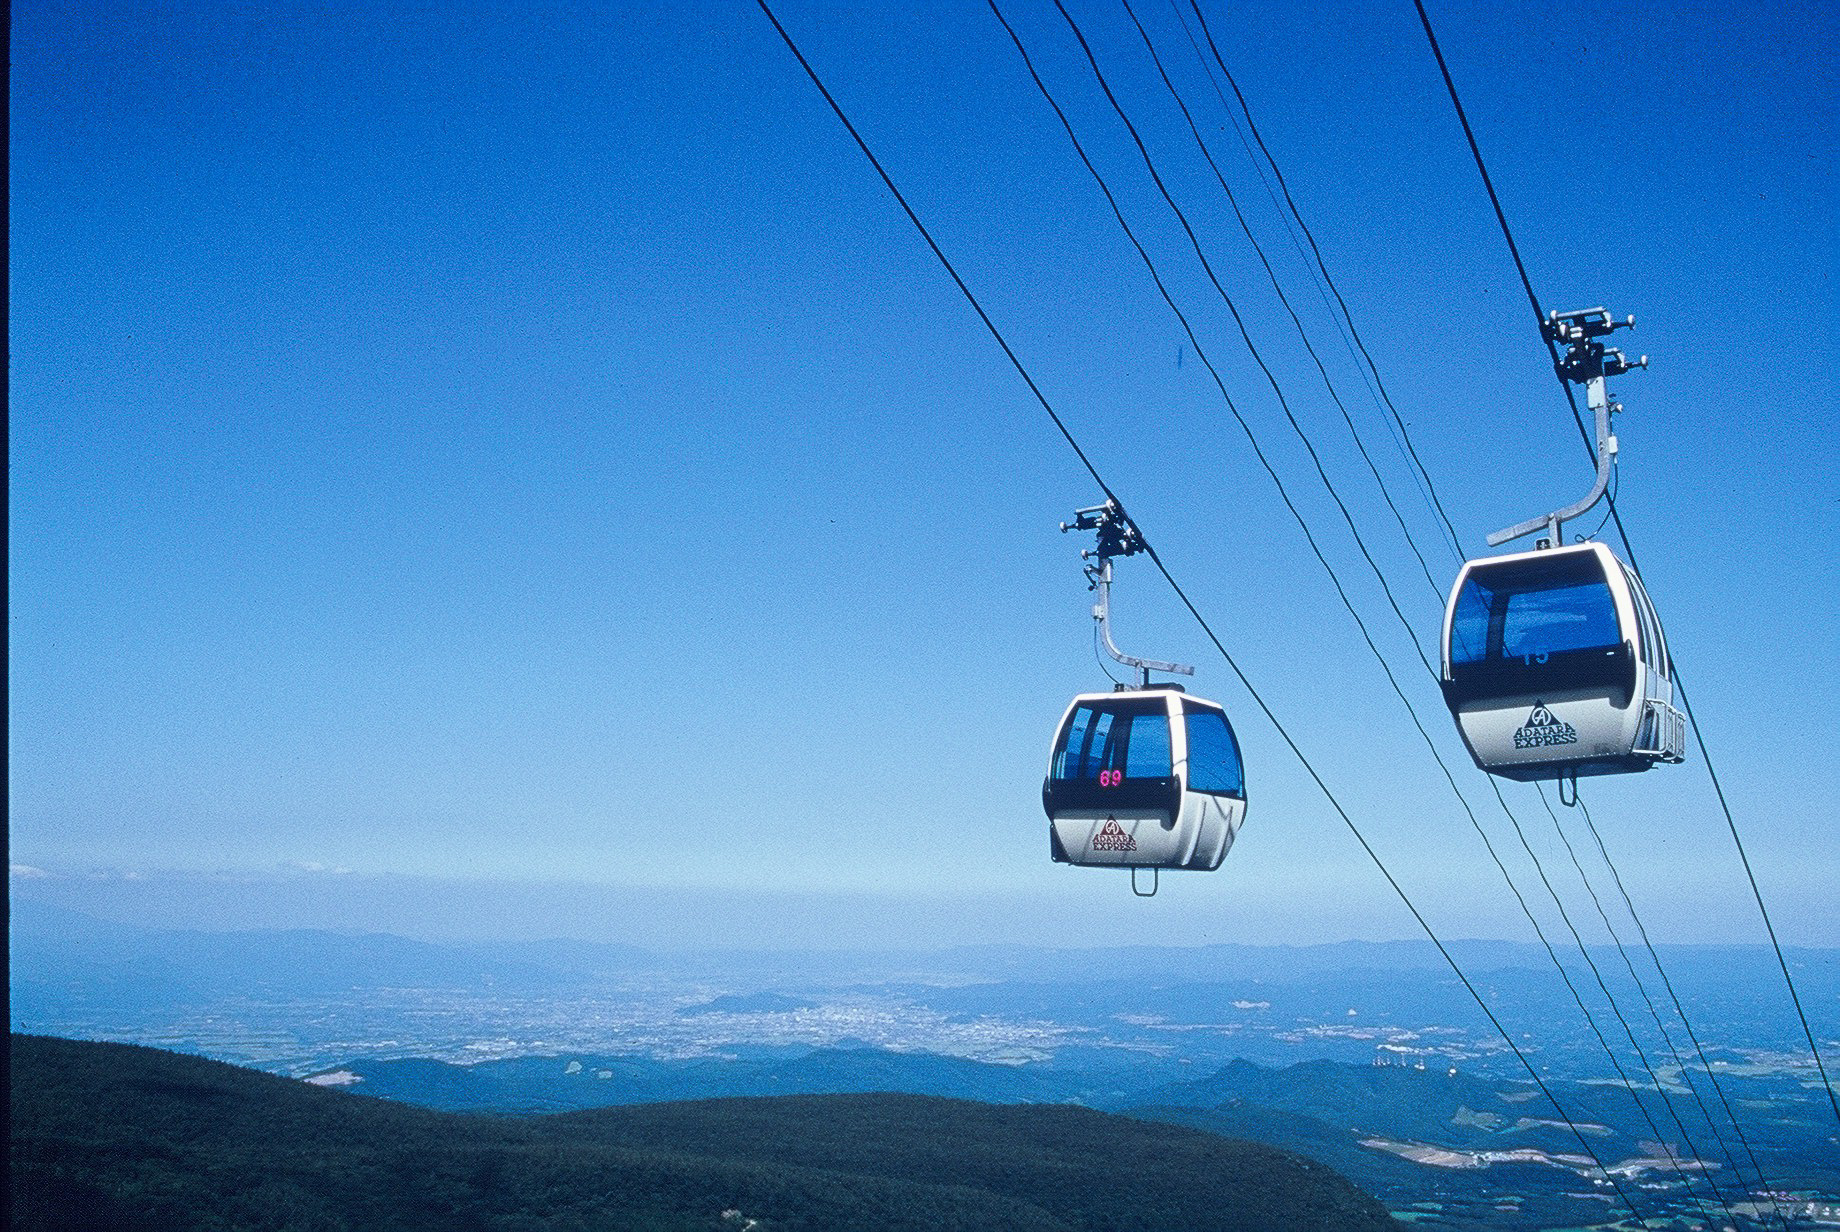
[[1563, 618], [1079, 758], [1469, 629], [1128, 736], [1067, 759], [1533, 608], [1213, 754], [1147, 751]]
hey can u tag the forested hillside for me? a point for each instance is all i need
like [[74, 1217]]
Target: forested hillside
[[107, 1135]]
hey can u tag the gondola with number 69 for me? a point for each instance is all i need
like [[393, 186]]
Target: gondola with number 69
[[1145, 778]]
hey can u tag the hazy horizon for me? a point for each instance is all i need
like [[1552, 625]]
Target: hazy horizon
[[1083, 911]]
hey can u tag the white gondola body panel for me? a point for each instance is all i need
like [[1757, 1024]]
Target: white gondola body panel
[[1554, 665], [1144, 778]]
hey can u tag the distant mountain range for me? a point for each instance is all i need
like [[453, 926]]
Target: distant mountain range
[[54, 949], [134, 1139]]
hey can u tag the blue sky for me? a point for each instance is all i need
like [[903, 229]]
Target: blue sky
[[520, 455]]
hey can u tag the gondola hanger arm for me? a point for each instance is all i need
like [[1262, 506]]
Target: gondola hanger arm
[[1590, 363], [1118, 536]]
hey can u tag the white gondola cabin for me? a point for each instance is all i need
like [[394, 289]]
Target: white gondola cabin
[[1144, 778], [1555, 667]]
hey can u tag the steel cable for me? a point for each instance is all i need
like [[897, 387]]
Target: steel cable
[[1699, 737], [1169, 577], [1156, 177]]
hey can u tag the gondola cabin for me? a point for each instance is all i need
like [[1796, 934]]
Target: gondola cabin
[[1555, 666], [1144, 778]]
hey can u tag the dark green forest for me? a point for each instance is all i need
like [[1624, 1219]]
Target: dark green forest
[[118, 1137]]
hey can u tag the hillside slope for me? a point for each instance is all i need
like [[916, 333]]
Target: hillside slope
[[133, 1138]]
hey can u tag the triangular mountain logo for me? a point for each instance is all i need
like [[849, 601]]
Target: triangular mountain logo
[[1111, 837], [1544, 728]]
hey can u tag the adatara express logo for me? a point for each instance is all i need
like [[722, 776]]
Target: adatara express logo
[[1543, 728], [1111, 837]]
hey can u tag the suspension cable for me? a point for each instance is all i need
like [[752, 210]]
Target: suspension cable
[[1245, 335], [1181, 594], [1655, 957], [1422, 474], [1284, 186], [1584, 952], [1731, 824], [1641, 1056], [1584, 1010], [1667, 1038], [1296, 322]]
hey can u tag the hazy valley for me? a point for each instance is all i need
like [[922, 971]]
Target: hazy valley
[[1368, 1057]]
